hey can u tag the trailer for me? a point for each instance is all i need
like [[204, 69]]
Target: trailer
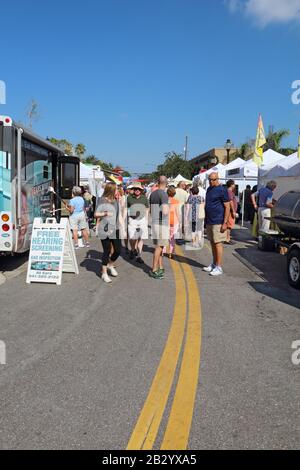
[[287, 218]]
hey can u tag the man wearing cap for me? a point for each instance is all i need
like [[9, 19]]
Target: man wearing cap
[[137, 212]]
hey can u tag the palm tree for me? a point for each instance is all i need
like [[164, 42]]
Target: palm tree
[[245, 151], [80, 150], [274, 139]]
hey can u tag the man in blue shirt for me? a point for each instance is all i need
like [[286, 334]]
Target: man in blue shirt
[[217, 211], [263, 202]]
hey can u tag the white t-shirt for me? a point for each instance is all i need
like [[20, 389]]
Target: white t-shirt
[[202, 193], [181, 196]]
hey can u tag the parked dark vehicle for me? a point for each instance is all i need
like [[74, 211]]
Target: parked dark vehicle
[[286, 215]]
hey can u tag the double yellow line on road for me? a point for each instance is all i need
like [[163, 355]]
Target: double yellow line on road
[[184, 334]]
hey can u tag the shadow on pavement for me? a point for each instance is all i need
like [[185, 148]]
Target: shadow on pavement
[[265, 288], [144, 267], [181, 259], [92, 262], [271, 266], [10, 263]]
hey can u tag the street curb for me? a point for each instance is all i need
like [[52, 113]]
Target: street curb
[[248, 264]]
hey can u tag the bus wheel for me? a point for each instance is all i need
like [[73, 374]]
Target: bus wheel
[[293, 268]]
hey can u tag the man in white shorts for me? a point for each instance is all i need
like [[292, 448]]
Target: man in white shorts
[[137, 211]]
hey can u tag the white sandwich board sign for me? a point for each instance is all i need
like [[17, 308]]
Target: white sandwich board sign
[[51, 251]]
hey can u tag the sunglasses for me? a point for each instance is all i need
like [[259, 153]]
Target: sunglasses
[[213, 179]]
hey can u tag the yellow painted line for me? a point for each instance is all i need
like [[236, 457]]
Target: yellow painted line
[[180, 419], [147, 426]]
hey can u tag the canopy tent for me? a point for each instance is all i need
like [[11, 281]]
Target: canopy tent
[[237, 163], [249, 169], [204, 174], [220, 169], [92, 177], [226, 174], [180, 178], [286, 174], [89, 172]]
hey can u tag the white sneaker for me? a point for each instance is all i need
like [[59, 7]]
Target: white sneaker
[[113, 271], [209, 268], [217, 271], [106, 278]]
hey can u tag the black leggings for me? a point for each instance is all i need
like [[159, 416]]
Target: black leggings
[[106, 243]]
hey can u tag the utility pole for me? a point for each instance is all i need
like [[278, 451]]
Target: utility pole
[[186, 148]]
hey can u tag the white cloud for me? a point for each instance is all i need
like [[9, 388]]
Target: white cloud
[[234, 5], [265, 12]]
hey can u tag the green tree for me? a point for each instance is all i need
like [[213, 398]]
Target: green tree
[[63, 144], [274, 139], [80, 150], [147, 176], [174, 165], [106, 166], [245, 151], [91, 159], [288, 151]]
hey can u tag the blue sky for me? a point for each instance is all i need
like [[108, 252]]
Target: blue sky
[[131, 78]]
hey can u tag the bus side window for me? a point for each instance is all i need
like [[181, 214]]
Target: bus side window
[[46, 173]]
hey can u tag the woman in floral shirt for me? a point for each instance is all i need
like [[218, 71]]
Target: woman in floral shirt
[[196, 215]]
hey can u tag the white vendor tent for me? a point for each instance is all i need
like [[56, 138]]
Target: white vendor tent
[[93, 177], [237, 163], [286, 173], [249, 169], [180, 178], [204, 175], [89, 172], [221, 170]]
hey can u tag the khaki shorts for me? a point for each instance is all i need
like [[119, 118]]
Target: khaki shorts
[[78, 221], [160, 235], [214, 234]]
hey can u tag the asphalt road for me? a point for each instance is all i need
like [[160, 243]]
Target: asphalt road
[[81, 358]]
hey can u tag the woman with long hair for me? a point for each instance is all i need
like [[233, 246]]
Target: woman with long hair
[[108, 211]]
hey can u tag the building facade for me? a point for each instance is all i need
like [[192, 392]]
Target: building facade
[[212, 157]]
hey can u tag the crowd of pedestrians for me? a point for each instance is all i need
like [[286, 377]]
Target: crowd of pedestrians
[[166, 214]]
